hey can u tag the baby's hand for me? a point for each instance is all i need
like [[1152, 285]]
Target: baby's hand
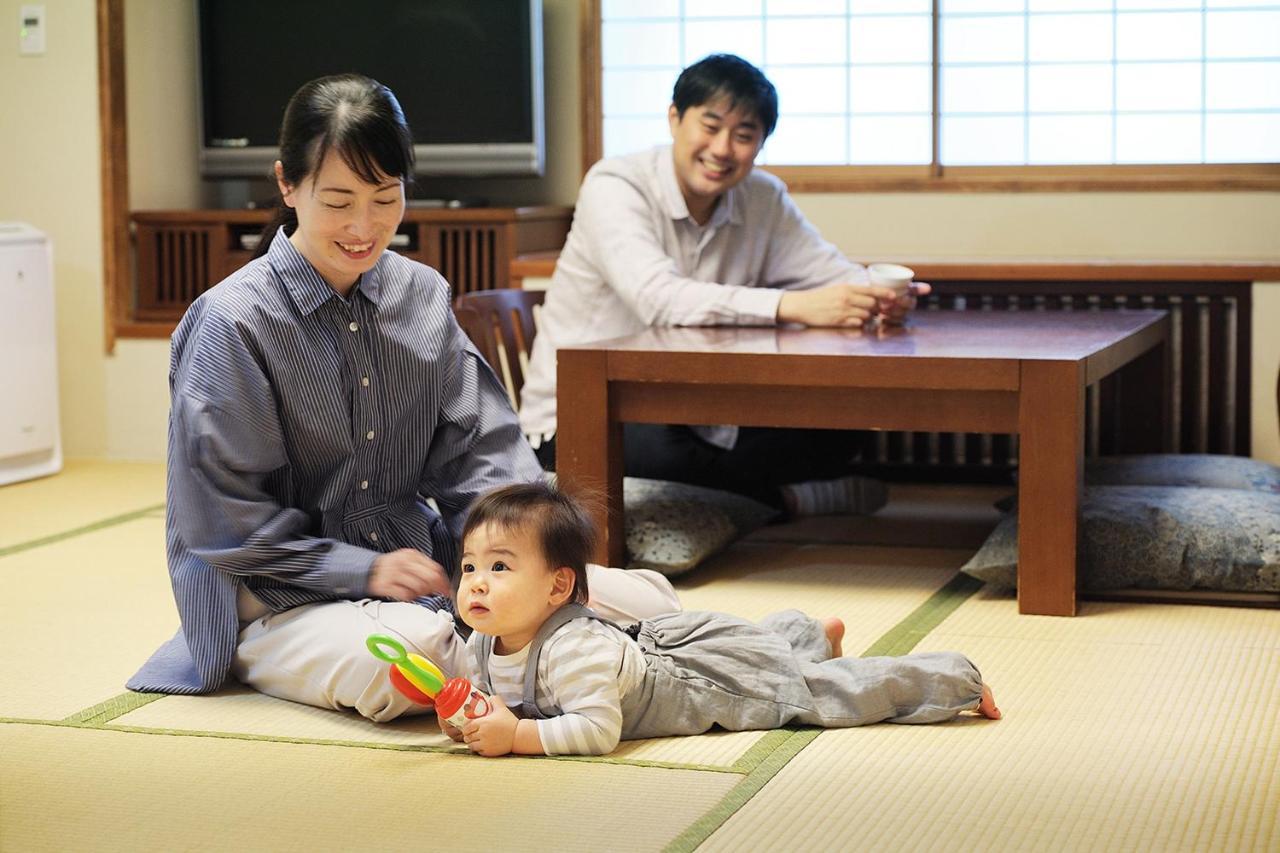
[[493, 734], [454, 733]]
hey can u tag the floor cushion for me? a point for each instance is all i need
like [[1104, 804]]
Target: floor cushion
[[672, 527], [1159, 537], [1184, 469]]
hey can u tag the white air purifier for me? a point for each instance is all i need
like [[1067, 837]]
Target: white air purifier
[[30, 441]]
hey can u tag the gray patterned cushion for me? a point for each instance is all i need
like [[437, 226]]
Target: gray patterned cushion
[[672, 527], [1170, 469], [1159, 537]]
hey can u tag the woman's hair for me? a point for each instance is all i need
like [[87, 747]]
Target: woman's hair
[[349, 113], [723, 74], [559, 523]]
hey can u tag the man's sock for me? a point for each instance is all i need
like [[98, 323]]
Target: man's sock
[[841, 496]]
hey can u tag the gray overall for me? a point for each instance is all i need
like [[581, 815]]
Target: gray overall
[[707, 669]]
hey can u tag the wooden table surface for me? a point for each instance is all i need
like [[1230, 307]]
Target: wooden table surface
[[1002, 372]]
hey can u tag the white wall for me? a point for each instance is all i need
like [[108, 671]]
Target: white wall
[[116, 406], [1153, 225], [49, 177]]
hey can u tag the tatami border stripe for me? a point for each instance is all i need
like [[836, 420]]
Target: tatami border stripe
[[740, 794], [116, 706], [898, 640], [903, 637], [72, 723], [79, 531]]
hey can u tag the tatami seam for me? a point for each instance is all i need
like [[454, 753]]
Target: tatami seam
[[114, 520], [94, 725], [898, 640]]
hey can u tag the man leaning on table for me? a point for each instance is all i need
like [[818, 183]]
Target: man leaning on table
[[689, 235]]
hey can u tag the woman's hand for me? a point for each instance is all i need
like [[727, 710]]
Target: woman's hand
[[407, 575], [493, 734]]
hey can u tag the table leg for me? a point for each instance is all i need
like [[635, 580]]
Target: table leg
[[589, 447], [1050, 475], [1145, 419]]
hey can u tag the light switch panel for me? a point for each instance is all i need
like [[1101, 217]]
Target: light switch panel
[[31, 27]]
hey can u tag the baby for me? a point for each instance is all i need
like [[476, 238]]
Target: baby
[[571, 683]]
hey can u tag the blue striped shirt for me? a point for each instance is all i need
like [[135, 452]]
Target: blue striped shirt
[[305, 433]]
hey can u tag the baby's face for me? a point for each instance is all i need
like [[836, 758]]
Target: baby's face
[[507, 588]]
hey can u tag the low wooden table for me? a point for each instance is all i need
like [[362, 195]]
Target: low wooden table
[[1000, 372]]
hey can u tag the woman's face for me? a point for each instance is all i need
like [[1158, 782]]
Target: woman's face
[[344, 223]]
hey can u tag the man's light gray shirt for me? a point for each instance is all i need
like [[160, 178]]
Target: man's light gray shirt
[[635, 258]]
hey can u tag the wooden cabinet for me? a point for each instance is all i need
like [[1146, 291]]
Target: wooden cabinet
[[178, 254]]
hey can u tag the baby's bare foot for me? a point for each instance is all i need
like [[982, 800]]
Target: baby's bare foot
[[987, 707], [834, 629]]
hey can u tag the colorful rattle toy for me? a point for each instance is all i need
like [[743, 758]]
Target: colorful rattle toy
[[421, 681], [417, 678]]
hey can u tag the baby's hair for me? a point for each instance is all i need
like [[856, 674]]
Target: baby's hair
[[562, 527]]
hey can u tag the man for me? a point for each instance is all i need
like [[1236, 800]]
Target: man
[[690, 235]]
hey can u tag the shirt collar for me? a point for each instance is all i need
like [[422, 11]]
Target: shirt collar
[[725, 211], [306, 287]]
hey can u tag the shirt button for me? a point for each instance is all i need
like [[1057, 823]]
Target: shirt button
[[355, 327], [369, 435], [364, 380], [364, 484], [341, 590], [373, 537]]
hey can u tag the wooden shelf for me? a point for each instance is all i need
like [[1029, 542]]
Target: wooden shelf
[[179, 254], [543, 264]]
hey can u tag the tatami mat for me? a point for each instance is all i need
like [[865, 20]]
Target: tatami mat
[[80, 616], [83, 493], [63, 789], [917, 516], [1133, 727], [1183, 625], [239, 712], [870, 588]]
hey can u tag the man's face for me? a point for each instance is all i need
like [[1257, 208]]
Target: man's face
[[714, 149]]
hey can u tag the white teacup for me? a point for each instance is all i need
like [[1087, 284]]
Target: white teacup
[[893, 276]]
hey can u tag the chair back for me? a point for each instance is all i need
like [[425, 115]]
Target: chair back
[[501, 323]]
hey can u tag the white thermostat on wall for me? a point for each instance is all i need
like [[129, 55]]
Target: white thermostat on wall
[[31, 28]]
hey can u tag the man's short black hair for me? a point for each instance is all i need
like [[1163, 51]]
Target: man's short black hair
[[723, 74]]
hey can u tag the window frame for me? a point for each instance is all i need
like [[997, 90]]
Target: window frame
[[935, 177]]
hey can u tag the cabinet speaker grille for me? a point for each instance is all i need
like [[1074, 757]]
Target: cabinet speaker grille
[[468, 258]]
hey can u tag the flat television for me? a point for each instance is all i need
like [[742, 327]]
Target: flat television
[[468, 74]]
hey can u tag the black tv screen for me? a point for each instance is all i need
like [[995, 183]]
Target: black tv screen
[[468, 74]]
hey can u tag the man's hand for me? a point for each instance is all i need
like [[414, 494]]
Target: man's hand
[[847, 305], [406, 575], [493, 734], [894, 311]]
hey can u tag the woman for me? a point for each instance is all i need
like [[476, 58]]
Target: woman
[[319, 396]]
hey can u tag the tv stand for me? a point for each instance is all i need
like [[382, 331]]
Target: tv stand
[[182, 253]]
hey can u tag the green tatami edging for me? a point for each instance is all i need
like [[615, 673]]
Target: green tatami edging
[[898, 640], [80, 531]]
